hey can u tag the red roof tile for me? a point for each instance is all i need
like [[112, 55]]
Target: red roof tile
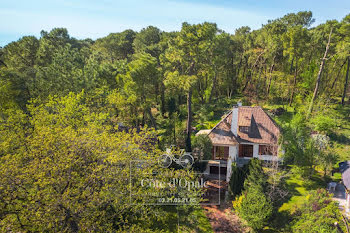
[[221, 133], [262, 129], [267, 129]]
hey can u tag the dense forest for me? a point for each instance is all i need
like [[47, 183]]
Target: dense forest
[[63, 102]]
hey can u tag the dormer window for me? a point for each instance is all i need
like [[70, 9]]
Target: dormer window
[[244, 129]]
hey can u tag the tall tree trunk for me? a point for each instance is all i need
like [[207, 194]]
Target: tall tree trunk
[[152, 118], [189, 120], [156, 87], [143, 119], [318, 81], [244, 71], [174, 130], [336, 77], [265, 79], [270, 76], [213, 88], [239, 66], [290, 72], [346, 82], [258, 81], [162, 99], [201, 92], [269, 86], [235, 73], [248, 78], [291, 65]]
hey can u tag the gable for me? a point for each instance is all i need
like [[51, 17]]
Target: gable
[[221, 133], [254, 126], [262, 129]]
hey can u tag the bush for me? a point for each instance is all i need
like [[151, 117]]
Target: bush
[[203, 145], [318, 214], [256, 175], [238, 177], [254, 207], [324, 124]]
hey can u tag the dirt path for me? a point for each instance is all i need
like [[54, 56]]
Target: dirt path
[[222, 219]]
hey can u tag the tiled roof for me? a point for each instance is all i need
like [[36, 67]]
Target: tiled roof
[[263, 129], [253, 131], [203, 132], [221, 133]]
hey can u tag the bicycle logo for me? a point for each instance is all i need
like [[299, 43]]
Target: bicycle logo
[[185, 158]]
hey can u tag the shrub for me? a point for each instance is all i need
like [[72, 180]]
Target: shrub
[[238, 177], [203, 145], [256, 175], [324, 124], [254, 207], [318, 214], [205, 113]]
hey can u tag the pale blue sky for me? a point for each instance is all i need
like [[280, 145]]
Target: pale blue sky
[[97, 18]]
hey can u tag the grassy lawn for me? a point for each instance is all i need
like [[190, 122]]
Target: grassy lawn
[[298, 188]]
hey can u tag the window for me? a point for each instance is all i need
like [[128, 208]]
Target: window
[[267, 150], [244, 129], [245, 150], [221, 152]]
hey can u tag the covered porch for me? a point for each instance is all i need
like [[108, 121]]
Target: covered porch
[[216, 170], [219, 167]]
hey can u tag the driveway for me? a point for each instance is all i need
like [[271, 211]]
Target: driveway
[[340, 196]]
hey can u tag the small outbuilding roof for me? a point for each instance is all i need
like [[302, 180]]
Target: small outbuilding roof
[[203, 132]]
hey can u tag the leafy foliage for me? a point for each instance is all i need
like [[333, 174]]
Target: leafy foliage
[[204, 145], [253, 205], [64, 103], [68, 170], [319, 214], [237, 179]]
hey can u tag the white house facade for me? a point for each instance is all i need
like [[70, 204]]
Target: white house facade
[[244, 133]]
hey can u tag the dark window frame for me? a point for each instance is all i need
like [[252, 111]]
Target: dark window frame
[[221, 152], [246, 150], [244, 129], [267, 150]]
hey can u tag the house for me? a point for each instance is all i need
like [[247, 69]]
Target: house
[[244, 133], [344, 168]]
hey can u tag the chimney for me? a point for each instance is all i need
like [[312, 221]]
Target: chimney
[[239, 104], [234, 122]]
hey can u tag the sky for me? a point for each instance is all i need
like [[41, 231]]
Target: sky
[[97, 18]]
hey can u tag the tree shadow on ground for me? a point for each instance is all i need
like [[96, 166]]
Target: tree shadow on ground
[[340, 138], [298, 186]]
